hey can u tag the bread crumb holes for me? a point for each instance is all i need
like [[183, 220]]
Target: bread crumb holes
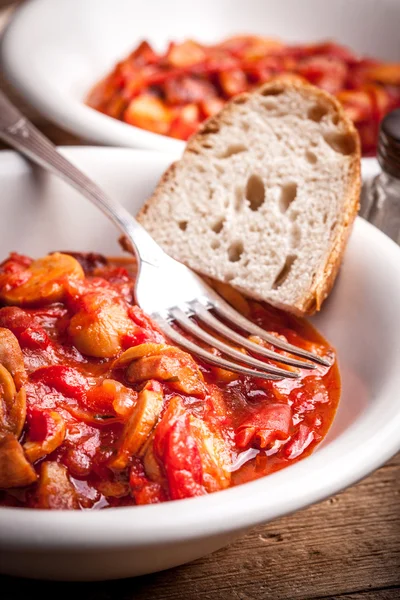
[[287, 196], [295, 235], [235, 251], [239, 198], [272, 91], [240, 100], [335, 119], [210, 127], [317, 112], [218, 225], [342, 143], [233, 149], [269, 104], [284, 272], [255, 192], [311, 157]]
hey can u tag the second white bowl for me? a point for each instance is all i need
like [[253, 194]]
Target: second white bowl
[[55, 50]]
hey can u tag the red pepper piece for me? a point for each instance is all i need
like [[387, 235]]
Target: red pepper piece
[[176, 449], [149, 330], [35, 338], [15, 262], [66, 380], [268, 424], [233, 82], [143, 490], [15, 319], [299, 442], [182, 461], [41, 424], [143, 55], [182, 130]]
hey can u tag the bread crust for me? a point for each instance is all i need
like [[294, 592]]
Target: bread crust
[[324, 279]]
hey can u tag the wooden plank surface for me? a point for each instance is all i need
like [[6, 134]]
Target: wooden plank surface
[[346, 548]]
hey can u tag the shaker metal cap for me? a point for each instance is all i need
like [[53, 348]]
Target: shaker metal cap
[[389, 144]]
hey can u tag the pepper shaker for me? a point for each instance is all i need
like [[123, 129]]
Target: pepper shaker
[[384, 193]]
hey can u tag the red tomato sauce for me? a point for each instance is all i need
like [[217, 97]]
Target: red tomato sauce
[[99, 410]]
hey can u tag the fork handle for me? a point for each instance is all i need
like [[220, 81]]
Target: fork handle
[[21, 134]]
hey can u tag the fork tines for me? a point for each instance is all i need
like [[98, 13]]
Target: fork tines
[[182, 316]]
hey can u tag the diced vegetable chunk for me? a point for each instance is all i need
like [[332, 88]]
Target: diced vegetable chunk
[[385, 73], [11, 356], [147, 349], [46, 434], [268, 424], [172, 365], [186, 54], [299, 442], [176, 448], [44, 281], [139, 425], [98, 329], [17, 413], [214, 454], [233, 82], [15, 470], [68, 381], [54, 489], [148, 112], [143, 490], [12, 404]]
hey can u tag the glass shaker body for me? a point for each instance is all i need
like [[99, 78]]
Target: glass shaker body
[[384, 211], [383, 198]]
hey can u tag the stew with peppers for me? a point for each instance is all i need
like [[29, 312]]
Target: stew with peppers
[[98, 409], [172, 93]]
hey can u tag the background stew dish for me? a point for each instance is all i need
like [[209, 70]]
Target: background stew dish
[[98, 410], [173, 92]]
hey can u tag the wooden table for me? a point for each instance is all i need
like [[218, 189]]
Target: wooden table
[[346, 548]]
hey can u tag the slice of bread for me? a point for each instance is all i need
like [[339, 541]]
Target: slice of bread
[[264, 196]]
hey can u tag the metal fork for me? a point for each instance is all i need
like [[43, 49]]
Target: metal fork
[[184, 294]]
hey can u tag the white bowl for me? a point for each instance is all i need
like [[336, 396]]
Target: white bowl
[[41, 214], [55, 50]]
